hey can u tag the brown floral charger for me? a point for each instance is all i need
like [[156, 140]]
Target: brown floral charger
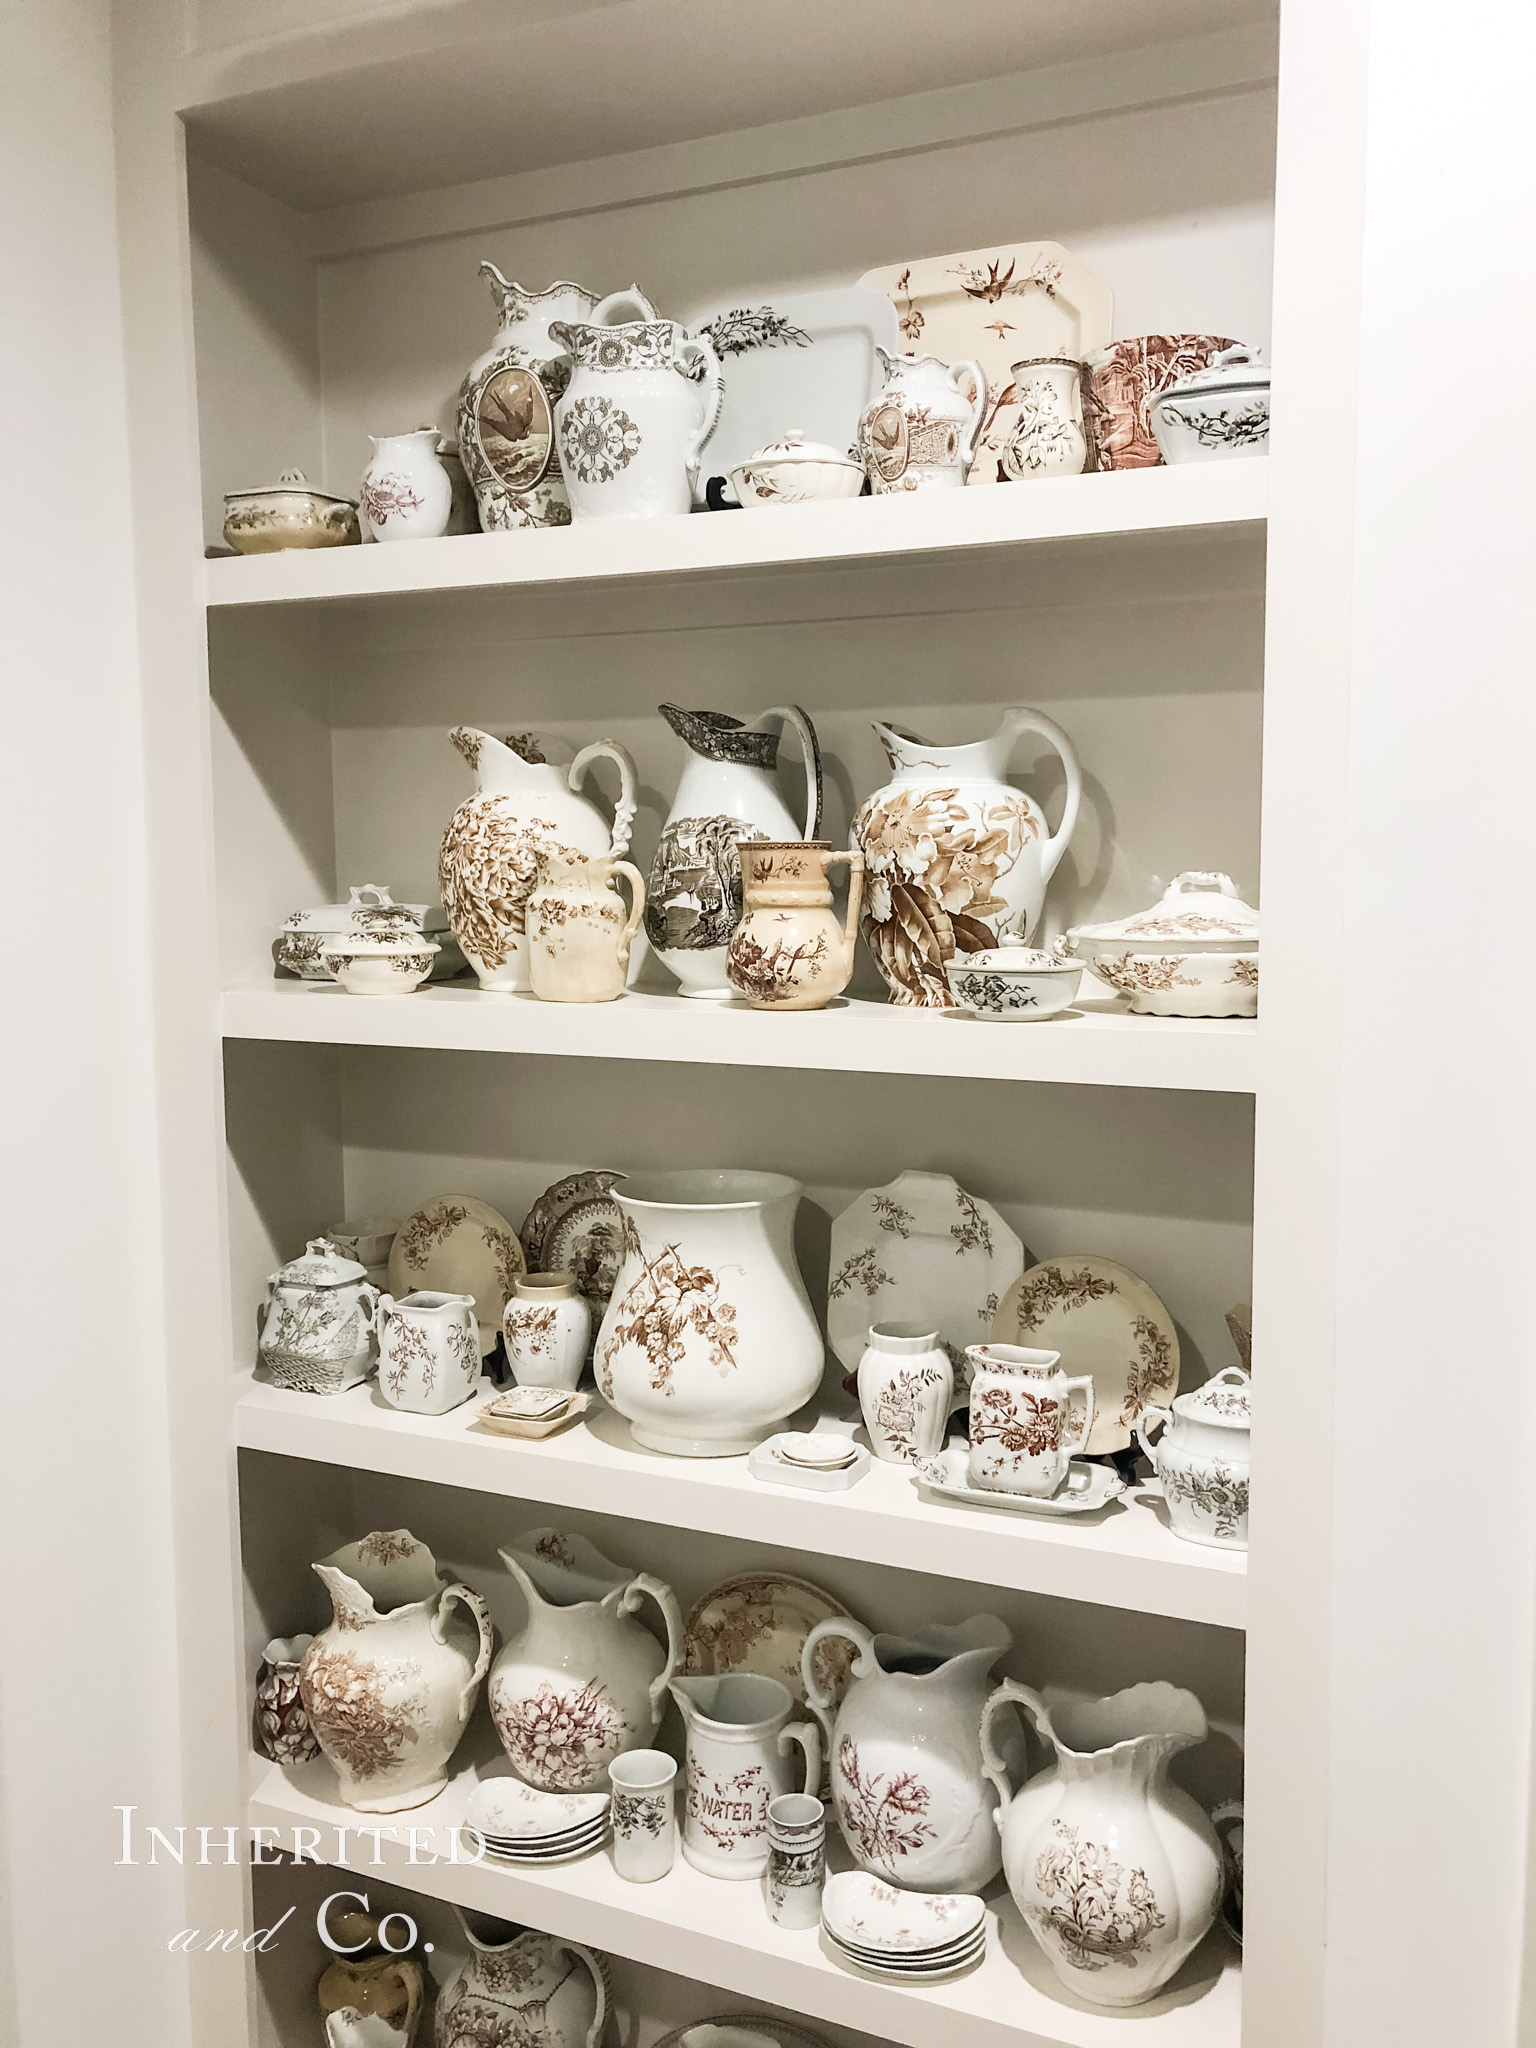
[[1105, 1321], [457, 1244], [759, 1621]]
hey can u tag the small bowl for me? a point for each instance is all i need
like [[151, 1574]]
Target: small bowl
[[394, 966], [288, 514], [1013, 984], [795, 471], [1219, 414]]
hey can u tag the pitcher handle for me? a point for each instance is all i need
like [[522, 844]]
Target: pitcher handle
[[693, 448], [624, 809], [600, 1979], [1078, 1437], [978, 377], [865, 1664], [641, 1584], [370, 1301], [854, 862], [472, 1600], [636, 882], [991, 1762], [1026, 720], [791, 716], [1149, 1415], [808, 1735], [633, 302]]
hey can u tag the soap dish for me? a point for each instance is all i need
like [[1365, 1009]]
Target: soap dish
[[769, 1464]]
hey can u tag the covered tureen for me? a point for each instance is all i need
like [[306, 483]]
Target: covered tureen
[[1195, 953]]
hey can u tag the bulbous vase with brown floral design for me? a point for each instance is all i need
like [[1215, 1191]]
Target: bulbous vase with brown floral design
[[1117, 1872], [907, 1783], [523, 810], [585, 1680], [954, 856], [389, 1687], [709, 1341]]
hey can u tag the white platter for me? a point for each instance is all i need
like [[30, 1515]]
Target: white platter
[[1088, 1487], [997, 307], [806, 360], [1105, 1321], [457, 1244], [919, 1250]]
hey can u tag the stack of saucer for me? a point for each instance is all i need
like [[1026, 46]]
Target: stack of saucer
[[823, 1459], [906, 1937], [520, 1825], [816, 1450], [532, 1411]]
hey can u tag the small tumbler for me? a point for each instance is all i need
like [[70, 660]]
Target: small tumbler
[[797, 1859], [644, 1824]]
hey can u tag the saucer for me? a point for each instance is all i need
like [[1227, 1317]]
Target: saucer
[[869, 1914], [1088, 1487], [508, 1809], [817, 1450]]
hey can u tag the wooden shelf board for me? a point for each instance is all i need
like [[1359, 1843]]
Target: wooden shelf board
[[1100, 1045], [1126, 1558], [719, 1933], [1064, 512]]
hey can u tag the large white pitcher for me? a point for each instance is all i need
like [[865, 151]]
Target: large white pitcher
[[631, 425], [954, 856], [523, 808], [585, 1680], [709, 1341], [905, 1751], [518, 1988], [1117, 1871], [728, 792], [740, 1738]]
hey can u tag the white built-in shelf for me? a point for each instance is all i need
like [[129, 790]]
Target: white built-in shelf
[[1101, 1044], [1061, 512], [1124, 1557], [719, 1933]]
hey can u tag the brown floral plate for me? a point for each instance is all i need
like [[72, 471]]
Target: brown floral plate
[[1105, 1321], [458, 1244], [759, 1621], [576, 1226]]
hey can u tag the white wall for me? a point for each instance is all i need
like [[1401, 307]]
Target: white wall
[[88, 1709]]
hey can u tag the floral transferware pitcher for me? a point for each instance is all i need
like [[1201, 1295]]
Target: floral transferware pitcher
[[1117, 1871], [585, 1680], [921, 432], [727, 794], [507, 400], [739, 1757], [955, 857], [522, 810], [521, 1989], [791, 951], [578, 930], [632, 423], [907, 1781], [389, 1687]]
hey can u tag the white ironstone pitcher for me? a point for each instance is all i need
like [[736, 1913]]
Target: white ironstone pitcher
[[740, 1739], [585, 1680], [632, 423]]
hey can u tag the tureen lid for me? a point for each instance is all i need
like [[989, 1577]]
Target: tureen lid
[[364, 901], [1198, 910], [292, 483], [1239, 368], [321, 1266], [794, 447], [1224, 1400]]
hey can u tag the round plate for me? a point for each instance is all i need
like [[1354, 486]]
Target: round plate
[[742, 2030], [919, 1251], [458, 1244], [1106, 1321], [759, 1621], [576, 1225]]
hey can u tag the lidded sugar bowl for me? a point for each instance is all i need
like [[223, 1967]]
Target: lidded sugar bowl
[[317, 1322], [1201, 1460]]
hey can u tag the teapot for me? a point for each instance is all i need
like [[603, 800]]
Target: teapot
[[955, 857], [317, 1322], [522, 809], [632, 422], [585, 1680], [790, 952]]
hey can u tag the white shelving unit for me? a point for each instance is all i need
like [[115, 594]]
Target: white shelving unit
[[303, 286]]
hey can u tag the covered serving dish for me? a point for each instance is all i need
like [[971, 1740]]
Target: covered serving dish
[[795, 471], [1012, 983], [288, 514], [1217, 413], [1195, 953], [384, 953], [1201, 1459], [307, 935]]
